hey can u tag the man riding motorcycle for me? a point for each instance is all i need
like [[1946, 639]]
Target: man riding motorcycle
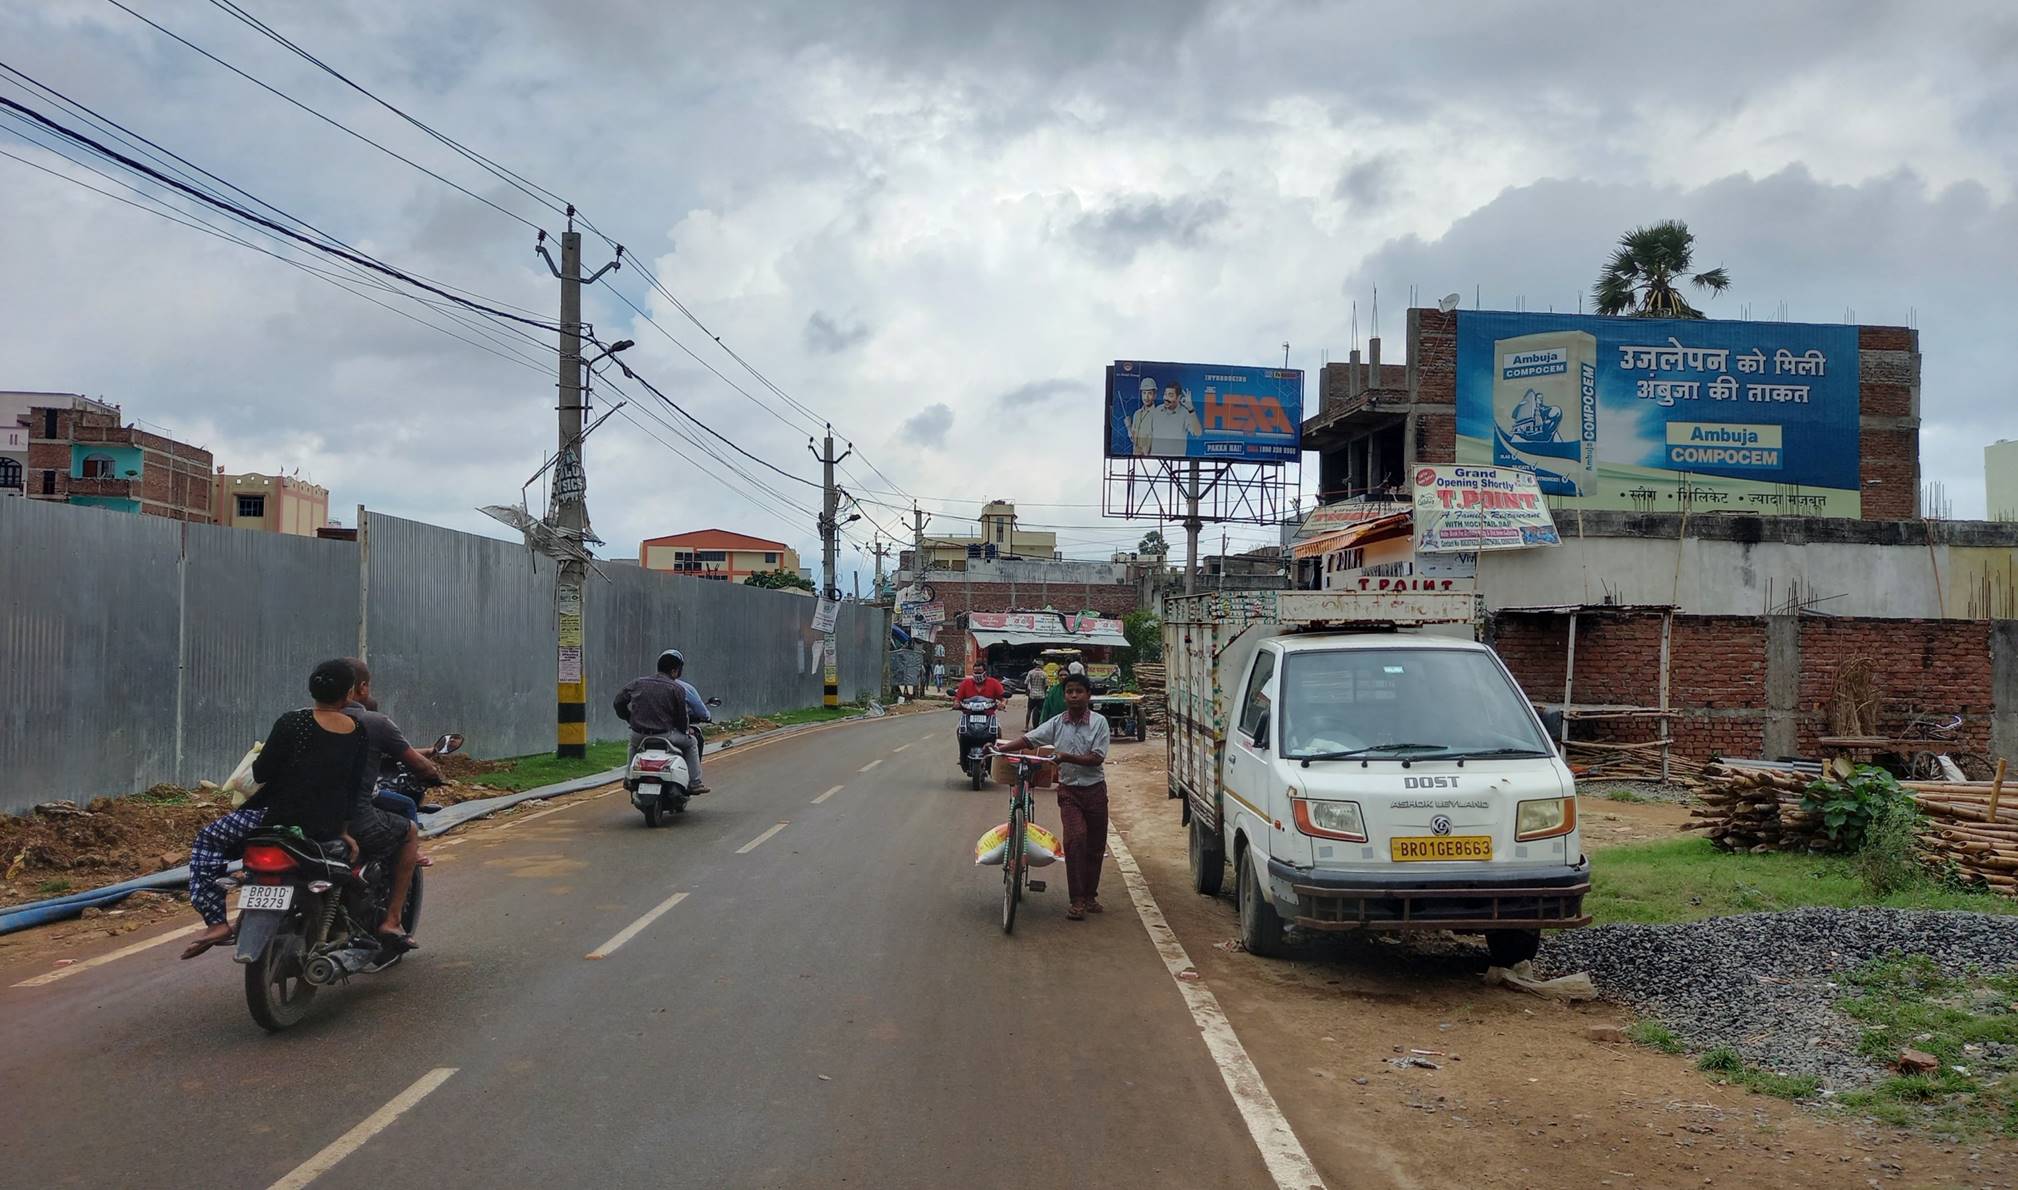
[[979, 684], [656, 705]]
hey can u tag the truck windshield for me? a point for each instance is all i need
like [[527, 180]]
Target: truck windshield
[[1403, 704]]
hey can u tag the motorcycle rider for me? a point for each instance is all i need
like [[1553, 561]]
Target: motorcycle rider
[[656, 705], [697, 714], [979, 684]]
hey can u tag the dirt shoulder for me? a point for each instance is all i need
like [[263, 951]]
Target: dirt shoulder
[[1524, 1096]]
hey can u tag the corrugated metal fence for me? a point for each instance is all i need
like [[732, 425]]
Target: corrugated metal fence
[[136, 650]]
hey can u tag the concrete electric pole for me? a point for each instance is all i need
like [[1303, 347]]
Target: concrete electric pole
[[570, 499], [881, 550], [830, 541]]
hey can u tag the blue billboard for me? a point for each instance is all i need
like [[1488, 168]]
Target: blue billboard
[[1653, 414], [1159, 410]]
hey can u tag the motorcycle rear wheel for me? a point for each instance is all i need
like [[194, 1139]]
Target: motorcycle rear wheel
[[652, 815], [275, 990]]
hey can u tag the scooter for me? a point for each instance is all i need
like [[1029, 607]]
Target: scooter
[[657, 779], [978, 733]]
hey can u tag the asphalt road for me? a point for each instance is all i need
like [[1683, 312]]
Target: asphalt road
[[834, 1006]]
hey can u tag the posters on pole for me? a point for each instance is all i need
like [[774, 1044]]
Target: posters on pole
[[1204, 411], [568, 631], [1655, 414], [825, 614], [1467, 509]]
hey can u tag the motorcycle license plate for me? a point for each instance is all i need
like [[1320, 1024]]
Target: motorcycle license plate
[[265, 896], [1429, 848]]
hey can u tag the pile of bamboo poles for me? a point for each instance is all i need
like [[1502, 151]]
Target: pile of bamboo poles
[[1149, 682], [1605, 760], [1972, 827], [1750, 809]]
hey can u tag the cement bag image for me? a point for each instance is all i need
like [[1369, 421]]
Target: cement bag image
[[1040, 846]]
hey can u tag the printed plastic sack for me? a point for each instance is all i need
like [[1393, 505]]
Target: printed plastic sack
[[240, 784], [1040, 846]]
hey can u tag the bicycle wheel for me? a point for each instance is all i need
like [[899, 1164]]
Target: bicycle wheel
[[1012, 869]]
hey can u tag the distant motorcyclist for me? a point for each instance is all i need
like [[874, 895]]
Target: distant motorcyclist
[[656, 705], [979, 684]]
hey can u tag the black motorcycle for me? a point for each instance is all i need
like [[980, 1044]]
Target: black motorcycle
[[306, 920], [978, 731]]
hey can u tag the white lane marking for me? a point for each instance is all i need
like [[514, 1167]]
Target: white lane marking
[[101, 960], [760, 840], [635, 928], [1287, 1163], [872, 764], [375, 1123], [901, 747], [830, 793]]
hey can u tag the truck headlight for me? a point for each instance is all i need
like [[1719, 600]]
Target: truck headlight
[[1330, 820], [1545, 819]]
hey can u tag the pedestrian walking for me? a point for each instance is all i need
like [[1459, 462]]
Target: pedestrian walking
[[1035, 683]]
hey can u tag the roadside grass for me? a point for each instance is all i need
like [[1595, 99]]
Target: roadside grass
[[531, 772], [53, 888], [1655, 1035], [1965, 1022], [1686, 879], [1725, 1062]]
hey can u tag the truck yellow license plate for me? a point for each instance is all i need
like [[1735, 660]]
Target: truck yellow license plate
[[1430, 848]]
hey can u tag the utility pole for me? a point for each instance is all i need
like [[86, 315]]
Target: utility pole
[[830, 540], [881, 550], [1191, 527], [570, 512]]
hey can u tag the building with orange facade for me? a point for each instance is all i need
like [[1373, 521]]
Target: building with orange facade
[[718, 554]]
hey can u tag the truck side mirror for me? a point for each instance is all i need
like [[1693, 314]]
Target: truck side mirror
[[1552, 723], [1261, 735]]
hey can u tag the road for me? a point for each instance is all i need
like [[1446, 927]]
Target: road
[[823, 998]]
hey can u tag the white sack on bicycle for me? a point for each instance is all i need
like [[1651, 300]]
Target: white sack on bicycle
[[1040, 846]]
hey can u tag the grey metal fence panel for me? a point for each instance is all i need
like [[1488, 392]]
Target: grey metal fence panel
[[260, 610], [88, 657], [460, 635]]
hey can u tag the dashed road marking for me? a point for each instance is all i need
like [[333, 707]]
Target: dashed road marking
[[101, 960], [872, 764], [830, 793], [375, 1123], [760, 840], [901, 747], [1287, 1163], [635, 928]]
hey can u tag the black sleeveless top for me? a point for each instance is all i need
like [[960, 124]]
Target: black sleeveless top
[[311, 777]]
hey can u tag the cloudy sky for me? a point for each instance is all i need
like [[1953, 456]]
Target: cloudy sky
[[933, 222]]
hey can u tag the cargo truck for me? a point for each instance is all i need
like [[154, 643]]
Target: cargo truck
[[1363, 763]]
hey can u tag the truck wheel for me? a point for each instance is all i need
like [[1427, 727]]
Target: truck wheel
[[1508, 947], [1260, 924], [1208, 859]]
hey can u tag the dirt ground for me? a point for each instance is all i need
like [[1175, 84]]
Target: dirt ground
[[1524, 1095]]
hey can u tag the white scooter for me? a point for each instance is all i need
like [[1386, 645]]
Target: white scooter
[[657, 779]]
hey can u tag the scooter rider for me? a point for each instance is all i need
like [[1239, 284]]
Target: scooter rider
[[656, 704], [979, 684], [697, 714]]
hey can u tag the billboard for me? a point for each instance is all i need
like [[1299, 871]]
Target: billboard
[[1467, 510], [1204, 411], [1651, 414]]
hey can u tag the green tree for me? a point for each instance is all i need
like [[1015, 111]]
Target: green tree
[[1153, 544], [779, 580], [1145, 636], [1647, 270]]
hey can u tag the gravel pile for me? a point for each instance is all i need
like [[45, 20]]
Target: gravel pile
[[1765, 983], [1646, 791]]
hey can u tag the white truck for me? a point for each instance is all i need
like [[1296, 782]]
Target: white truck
[[1366, 764]]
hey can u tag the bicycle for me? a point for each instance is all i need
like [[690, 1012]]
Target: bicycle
[[1015, 863], [1925, 765]]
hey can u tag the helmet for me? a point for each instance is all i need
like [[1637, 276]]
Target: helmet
[[674, 656]]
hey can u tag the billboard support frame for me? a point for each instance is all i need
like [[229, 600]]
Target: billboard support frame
[[1202, 491]]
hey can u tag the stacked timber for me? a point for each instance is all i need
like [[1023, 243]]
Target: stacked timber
[[1603, 760], [1972, 827], [1753, 809], [1149, 682]]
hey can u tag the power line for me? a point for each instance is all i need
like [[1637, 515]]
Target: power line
[[333, 123]]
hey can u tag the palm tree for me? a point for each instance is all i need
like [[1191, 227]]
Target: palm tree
[[1644, 273]]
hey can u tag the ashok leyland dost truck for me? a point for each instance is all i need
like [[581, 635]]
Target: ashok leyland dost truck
[[1366, 765]]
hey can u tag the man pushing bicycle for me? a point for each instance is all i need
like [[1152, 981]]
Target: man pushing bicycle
[[1080, 738]]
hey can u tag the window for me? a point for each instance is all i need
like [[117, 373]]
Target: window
[[49, 483], [98, 466], [712, 555], [252, 507], [1254, 708], [770, 559], [10, 473], [1456, 700]]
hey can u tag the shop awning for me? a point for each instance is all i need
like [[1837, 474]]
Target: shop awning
[[1101, 638], [1392, 525]]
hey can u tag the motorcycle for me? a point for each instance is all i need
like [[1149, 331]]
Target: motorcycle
[[306, 920], [408, 782], [978, 732], [657, 779]]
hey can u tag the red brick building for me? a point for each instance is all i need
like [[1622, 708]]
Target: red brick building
[[85, 456]]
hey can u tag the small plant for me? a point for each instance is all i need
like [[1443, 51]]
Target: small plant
[[1655, 1035], [1721, 1060], [1848, 805], [1888, 858], [53, 888]]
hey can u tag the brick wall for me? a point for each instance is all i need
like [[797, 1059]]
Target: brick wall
[[1112, 600], [1888, 375], [1717, 674], [175, 477]]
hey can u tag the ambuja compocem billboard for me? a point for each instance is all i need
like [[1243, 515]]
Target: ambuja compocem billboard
[[1652, 413], [1204, 411]]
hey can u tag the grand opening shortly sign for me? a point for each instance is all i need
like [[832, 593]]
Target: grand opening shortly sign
[[1462, 509]]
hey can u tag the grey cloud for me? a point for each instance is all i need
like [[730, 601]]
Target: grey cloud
[[928, 426], [1119, 232], [1367, 184], [828, 337], [1037, 392]]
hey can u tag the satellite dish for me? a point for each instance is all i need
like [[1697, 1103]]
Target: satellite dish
[[1449, 303]]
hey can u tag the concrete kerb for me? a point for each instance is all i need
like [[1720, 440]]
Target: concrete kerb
[[36, 913]]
